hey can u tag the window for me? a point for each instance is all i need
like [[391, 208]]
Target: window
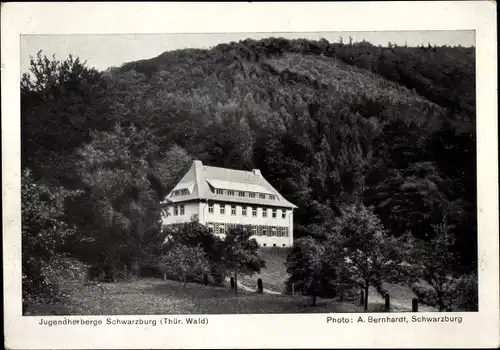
[[264, 231], [230, 193], [222, 230], [262, 196], [222, 209], [264, 212], [182, 209], [241, 194], [233, 209], [283, 213], [254, 211], [274, 213], [210, 228], [254, 231], [176, 210], [272, 197], [211, 208], [218, 191], [251, 195], [244, 211]]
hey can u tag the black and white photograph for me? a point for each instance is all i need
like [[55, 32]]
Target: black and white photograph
[[249, 173]]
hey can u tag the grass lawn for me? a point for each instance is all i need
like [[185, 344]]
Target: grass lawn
[[155, 296], [274, 275]]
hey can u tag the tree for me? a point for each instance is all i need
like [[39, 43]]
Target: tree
[[61, 102], [184, 262], [43, 233], [435, 262], [241, 254], [194, 234], [364, 251], [306, 265], [119, 208]]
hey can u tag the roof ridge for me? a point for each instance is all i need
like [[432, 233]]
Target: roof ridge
[[232, 169]]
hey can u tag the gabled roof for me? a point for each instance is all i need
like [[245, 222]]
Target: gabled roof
[[201, 181]]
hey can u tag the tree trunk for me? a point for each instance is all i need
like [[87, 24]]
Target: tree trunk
[[235, 284], [366, 296], [440, 299]]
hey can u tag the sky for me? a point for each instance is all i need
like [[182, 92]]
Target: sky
[[104, 51]]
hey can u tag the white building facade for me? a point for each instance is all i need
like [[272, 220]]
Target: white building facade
[[221, 198]]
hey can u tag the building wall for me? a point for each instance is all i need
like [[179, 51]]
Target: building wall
[[190, 209], [202, 210]]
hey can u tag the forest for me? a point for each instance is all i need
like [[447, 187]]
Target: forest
[[330, 125]]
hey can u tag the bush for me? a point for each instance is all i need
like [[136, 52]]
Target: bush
[[467, 299], [425, 293], [55, 275]]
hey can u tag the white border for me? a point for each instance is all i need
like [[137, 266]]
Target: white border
[[255, 331]]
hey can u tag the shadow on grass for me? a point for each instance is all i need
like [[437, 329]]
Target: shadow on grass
[[192, 290]]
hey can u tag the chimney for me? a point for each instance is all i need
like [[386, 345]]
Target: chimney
[[198, 164], [256, 172]]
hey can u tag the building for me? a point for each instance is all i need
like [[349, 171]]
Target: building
[[221, 198]]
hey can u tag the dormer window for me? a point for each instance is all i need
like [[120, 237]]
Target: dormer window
[[218, 191], [230, 193], [183, 192], [241, 194], [251, 195], [272, 197], [262, 196]]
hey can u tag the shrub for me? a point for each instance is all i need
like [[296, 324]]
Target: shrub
[[185, 263], [425, 293], [467, 298], [55, 275]]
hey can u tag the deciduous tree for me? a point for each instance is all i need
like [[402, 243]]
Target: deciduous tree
[[364, 251], [184, 263], [241, 253], [435, 261]]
